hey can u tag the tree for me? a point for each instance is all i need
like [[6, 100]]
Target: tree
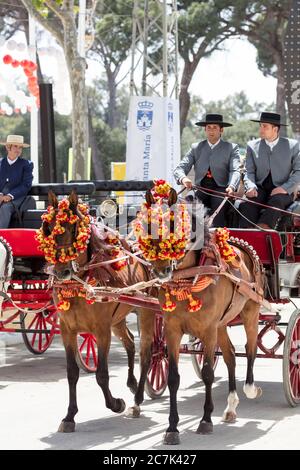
[[202, 27], [264, 23], [235, 108], [59, 17]]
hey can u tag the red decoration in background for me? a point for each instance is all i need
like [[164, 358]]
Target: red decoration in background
[[29, 68]]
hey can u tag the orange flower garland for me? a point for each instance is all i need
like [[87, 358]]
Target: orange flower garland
[[162, 243], [70, 292], [227, 252], [64, 215]]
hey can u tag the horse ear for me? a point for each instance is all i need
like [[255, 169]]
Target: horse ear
[[149, 198], [172, 197], [73, 198], [52, 199]]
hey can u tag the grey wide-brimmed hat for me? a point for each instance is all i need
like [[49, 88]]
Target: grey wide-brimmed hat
[[270, 118], [213, 119], [15, 140]]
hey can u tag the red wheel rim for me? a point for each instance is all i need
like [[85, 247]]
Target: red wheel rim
[[39, 341], [88, 351], [294, 363], [159, 367]]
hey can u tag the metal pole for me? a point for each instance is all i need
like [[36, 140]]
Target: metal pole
[[133, 46], [34, 111], [145, 53], [165, 49], [176, 48]]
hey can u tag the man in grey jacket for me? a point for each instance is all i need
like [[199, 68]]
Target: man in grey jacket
[[272, 173], [216, 164]]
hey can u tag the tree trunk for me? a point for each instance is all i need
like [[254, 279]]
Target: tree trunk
[[96, 156], [184, 96], [112, 90], [79, 117]]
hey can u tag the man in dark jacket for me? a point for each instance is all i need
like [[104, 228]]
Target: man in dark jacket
[[15, 178], [272, 173], [216, 163]]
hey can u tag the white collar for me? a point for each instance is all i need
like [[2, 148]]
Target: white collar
[[11, 162], [272, 143], [213, 145]]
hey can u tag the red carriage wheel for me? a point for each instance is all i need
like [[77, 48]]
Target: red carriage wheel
[[39, 330], [197, 359], [157, 378], [291, 360], [87, 352]]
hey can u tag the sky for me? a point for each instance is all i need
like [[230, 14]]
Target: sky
[[233, 70]]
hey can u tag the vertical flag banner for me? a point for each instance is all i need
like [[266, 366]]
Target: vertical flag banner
[[153, 138]]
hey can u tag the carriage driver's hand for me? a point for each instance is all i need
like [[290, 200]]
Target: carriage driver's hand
[[229, 190], [251, 193], [278, 190], [187, 182]]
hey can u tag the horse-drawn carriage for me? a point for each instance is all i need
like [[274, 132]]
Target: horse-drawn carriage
[[28, 306]]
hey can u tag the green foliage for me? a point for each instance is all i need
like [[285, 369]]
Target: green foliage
[[235, 109]]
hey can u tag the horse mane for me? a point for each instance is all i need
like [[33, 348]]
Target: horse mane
[[100, 250]]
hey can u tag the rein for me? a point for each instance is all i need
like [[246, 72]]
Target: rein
[[238, 198]]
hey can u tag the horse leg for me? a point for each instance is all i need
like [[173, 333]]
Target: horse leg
[[209, 341], [146, 321], [250, 317], [173, 336], [228, 351], [126, 337], [117, 405], [70, 343]]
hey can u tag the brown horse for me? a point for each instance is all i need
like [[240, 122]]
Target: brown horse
[[66, 227], [221, 302]]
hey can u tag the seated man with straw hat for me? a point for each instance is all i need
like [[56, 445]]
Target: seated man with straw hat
[[15, 178]]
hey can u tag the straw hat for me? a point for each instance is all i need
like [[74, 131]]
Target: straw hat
[[15, 140]]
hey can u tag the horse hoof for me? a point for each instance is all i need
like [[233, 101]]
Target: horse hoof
[[66, 426], [171, 438], [252, 391], [133, 412], [229, 417], [120, 405], [205, 428]]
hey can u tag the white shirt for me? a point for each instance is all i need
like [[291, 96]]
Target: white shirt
[[213, 145], [272, 143], [11, 162]]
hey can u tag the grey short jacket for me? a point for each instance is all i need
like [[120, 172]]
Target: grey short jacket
[[283, 161], [223, 161]]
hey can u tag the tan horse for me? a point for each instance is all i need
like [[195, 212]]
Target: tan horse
[[97, 318], [221, 302]]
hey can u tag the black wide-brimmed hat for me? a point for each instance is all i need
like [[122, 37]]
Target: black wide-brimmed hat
[[213, 119], [270, 118]]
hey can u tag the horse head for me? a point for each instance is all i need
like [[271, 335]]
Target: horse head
[[64, 235], [163, 229]]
